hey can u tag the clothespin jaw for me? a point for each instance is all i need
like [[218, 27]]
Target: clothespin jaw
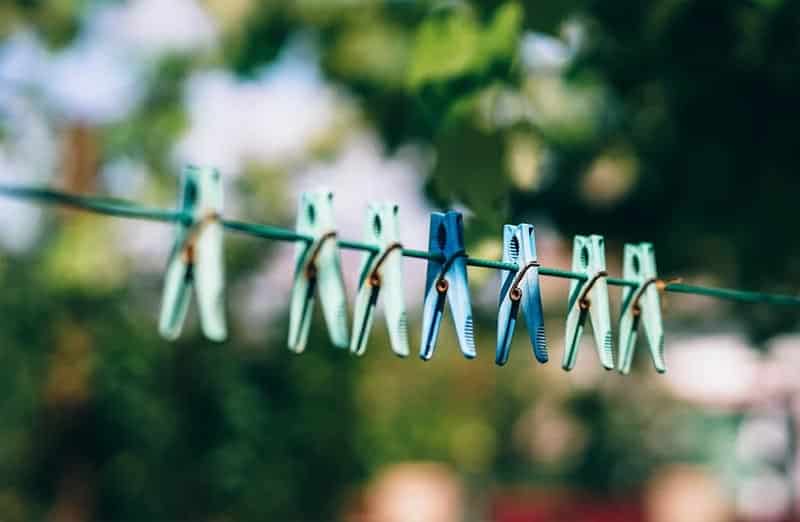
[[589, 298], [381, 273], [641, 304], [196, 258], [317, 270], [520, 289], [447, 281]]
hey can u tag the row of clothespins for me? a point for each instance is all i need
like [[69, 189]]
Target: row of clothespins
[[197, 260]]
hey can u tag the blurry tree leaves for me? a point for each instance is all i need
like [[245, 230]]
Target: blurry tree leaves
[[452, 44], [57, 21]]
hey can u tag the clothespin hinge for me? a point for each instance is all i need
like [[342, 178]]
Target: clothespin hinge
[[194, 233], [515, 294], [374, 276], [441, 283], [583, 300], [661, 284], [311, 265]]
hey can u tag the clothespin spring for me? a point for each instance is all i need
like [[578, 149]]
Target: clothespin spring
[[374, 276], [311, 266], [441, 283], [661, 284], [583, 300], [515, 294], [194, 233]]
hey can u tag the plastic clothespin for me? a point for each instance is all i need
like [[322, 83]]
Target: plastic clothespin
[[381, 272], [641, 304], [196, 258], [447, 277], [589, 297], [520, 288], [318, 266]]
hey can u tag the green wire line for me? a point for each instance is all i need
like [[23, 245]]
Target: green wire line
[[355, 245], [107, 206], [419, 254], [265, 231], [734, 295], [128, 209]]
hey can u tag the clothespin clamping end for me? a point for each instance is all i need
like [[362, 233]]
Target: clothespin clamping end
[[447, 280], [317, 268], [520, 288], [641, 304], [589, 297], [196, 258], [381, 272]]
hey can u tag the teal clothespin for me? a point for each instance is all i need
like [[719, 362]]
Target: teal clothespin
[[589, 297], [641, 304], [520, 289], [381, 272], [318, 266], [446, 280], [196, 258]]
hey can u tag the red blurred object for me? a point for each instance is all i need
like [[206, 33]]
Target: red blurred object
[[540, 506]]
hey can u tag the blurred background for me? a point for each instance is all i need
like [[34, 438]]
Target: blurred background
[[672, 121]]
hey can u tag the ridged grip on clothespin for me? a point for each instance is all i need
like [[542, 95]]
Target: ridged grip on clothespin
[[520, 289], [197, 258], [381, 273], [641, 304], [447, 281], [317, 270], [589, 297]]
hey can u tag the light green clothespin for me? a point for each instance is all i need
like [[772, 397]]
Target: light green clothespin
[[381, 272], [318, 265], [641, 304], [589, 297], [196, 258]]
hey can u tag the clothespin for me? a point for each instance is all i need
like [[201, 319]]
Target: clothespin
[[196, 258], [641, 304], [589, 297], [447, 277], [318, 267], [381, 271], [520, 288]]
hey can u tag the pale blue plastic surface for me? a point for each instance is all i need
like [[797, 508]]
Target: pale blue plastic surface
[[446, 238], [519, 246]]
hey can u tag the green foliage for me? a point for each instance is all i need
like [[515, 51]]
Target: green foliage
[[56, 20], [452, 44]]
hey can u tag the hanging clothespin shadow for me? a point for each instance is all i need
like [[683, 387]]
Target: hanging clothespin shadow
[[589, 297], [381, 273], [520, 289], [447, 281], [317, 268], [196, 259], [641, 304]]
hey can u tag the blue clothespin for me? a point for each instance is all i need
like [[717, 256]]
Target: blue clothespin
[[589, 297], [447, 277], [520, 288], [196, 258], [381, 272], [318, 267], [641, 304]]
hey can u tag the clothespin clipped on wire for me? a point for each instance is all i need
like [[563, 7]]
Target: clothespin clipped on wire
[[520, 289], [447, 280], [196, 258], [381, 272], [589, 298], [641, 304], [318, 267]]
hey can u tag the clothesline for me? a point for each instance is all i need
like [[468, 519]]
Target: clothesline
[[132, 210]]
